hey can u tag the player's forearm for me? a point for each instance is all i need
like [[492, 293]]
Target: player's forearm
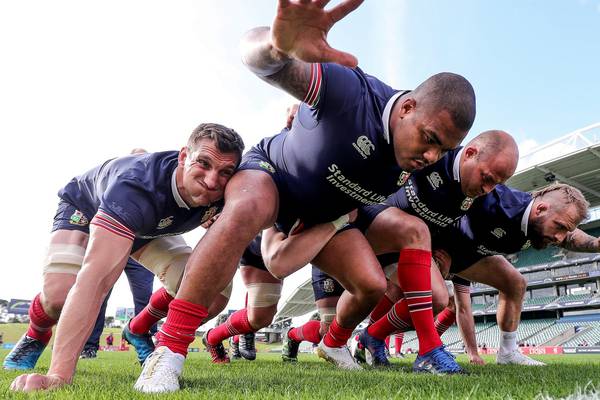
[[578, 240], [74, 327], [466, 325], [259, 55], [294, 252]]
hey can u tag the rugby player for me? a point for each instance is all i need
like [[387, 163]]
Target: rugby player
[[118, 208], [349, 144], [504, 222]]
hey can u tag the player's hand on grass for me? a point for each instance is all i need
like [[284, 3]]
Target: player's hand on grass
[[300, 30], [33, 382], [476, 359]]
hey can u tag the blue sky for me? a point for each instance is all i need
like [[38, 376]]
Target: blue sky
[[82, 82]]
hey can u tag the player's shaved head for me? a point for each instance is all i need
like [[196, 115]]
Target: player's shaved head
[[497, 145], [450, 92]]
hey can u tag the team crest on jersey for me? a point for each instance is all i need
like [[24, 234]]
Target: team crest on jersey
[[403, 178], [526, 245], [78, 219], [466, 203], [499, 232], [364, 146], [328, 285], [163, 223], [208, 214], [435, 180], [267, 166]]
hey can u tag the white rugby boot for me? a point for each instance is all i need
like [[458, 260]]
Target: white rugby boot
[[161, 372], [339, 356], [515, 357]]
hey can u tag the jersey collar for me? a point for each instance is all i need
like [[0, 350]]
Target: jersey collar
[[385, 118], [525, 219], [456, 165], [175, 191]]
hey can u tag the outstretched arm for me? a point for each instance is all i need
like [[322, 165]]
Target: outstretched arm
[[104, 261], [466, 324], [578, 240], [282, 55], [284, 255]]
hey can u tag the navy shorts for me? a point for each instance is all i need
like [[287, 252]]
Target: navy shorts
[[68, 217], [367, 214], [250, 259], [462, 250], [325, 286]]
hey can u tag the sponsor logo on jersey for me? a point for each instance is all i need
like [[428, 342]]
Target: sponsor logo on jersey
[[267, 166], [328, 285], [499, 232], [466, 203], [403, 178], [208, 214], [78, 219], [163, 223], [364, 146], [435, 180]]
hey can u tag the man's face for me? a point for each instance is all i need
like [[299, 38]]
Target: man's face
[[206, 171], [480, 176], [421, 138], [549, 225]]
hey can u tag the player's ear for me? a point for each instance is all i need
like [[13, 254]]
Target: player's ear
[[541, 208], [471, 151], [409, 105], [183, 154]]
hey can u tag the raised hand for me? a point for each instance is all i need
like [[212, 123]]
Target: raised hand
[[300, 30]]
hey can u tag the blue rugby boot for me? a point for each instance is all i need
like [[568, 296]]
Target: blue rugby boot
[[143, 344], [376, 347], [438, 361], [25, 354]]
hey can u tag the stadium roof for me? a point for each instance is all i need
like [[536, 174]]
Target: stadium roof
[[573, 159]]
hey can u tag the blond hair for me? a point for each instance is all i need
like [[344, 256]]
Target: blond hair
[[570, 195]]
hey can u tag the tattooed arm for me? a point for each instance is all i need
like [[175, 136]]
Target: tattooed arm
[[282, 55], [580, 241]]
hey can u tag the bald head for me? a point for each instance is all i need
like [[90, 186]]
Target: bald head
[[497, 147], [448, 92], [486, 161]]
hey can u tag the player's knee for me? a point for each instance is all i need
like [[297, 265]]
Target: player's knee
[[373, 288], [411, 232], [518, 285], [260, 318], [249, 211]]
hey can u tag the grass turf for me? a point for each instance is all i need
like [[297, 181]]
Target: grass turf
[[112, 374]]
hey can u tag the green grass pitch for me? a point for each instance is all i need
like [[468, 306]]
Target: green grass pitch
[[112, 374]]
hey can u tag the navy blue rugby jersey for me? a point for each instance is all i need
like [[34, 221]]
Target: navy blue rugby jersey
[[497, 222], [434, 193], [136, 197], [338, 153]]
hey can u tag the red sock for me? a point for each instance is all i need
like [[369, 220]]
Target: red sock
[[396, 320], [309, 331], [40, 324], [236, 324], [156, 310], [414, 275], [380, 309], [337, 336], [236, 339], [398, 339], [444, 320], [179, 329]]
